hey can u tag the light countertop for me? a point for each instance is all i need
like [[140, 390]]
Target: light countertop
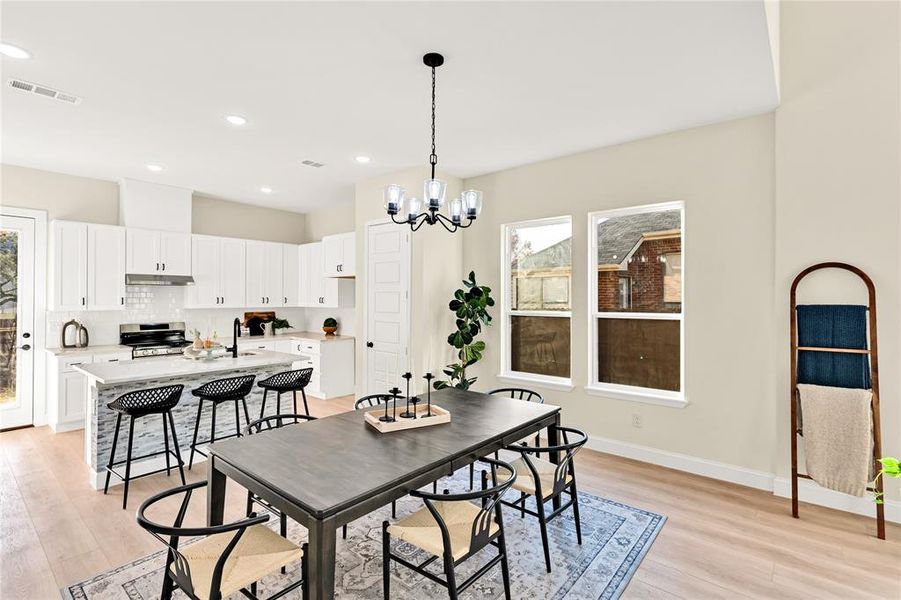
[[313, 336], [100, 349], [173, 367]]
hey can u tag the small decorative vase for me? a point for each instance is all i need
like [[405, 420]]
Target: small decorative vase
[[329, 330]]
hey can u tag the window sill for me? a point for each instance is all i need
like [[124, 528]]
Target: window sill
[[643, 396], [558, 384]]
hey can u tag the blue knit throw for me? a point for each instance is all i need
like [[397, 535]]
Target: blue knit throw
[[833, 326]]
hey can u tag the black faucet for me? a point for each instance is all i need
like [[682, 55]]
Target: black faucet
[[236, 333]]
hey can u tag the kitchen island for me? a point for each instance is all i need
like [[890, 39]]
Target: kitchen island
[[108, 381]]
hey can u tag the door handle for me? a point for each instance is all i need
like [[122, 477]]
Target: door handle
[[25, 347], [26, 335], [164, 266], [157, 266], [369, 344]]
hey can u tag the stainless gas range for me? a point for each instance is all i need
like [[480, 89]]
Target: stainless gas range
[[153, 339]]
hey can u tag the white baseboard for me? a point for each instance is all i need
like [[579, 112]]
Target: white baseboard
[[809, 491], [69, 426], [780, 486]]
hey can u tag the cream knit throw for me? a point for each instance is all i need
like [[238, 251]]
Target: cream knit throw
[[838, 437]]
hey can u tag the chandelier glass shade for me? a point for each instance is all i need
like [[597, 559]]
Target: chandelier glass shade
[[415, 211]]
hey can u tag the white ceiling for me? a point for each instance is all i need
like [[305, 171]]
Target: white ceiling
[[329, 81]]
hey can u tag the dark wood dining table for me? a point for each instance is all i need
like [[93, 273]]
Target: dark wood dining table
[[331, 471]]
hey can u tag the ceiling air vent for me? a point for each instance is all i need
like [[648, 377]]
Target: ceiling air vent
[[313, 163], [43, 90]]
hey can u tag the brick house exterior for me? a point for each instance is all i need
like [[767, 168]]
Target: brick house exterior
[[645, 276]]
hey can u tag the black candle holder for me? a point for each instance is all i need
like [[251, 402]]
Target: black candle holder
[[395, 392], [414, 401], [407, 414], [428, 386]]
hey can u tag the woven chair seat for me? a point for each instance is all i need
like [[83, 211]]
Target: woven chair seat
[[288, 381], [230, 388], [147, 402], [259, 552], [524, 481], [421, 529]]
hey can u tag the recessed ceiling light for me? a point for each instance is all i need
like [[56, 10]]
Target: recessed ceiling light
[[236, 120], [266, 190], [155, 168], [13, 51], [362, 159]]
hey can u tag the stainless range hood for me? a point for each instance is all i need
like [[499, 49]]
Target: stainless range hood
[[170, 280]]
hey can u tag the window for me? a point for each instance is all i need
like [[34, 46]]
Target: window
[[537, 275], [636, 284]]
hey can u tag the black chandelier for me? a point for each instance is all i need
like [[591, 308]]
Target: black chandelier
[[468, 205]]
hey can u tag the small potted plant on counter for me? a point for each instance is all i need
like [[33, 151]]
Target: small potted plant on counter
[[330, 326], [279, 324]]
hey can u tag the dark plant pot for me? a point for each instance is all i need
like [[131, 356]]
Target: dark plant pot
[[329, 330]]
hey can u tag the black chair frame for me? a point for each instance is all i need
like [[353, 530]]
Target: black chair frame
[[181, 578], [481, 536], [524, 394], [121, 406], [566, 467], [287, 381], [243, 384]]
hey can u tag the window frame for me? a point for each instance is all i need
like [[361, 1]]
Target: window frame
[[506, 372], [619, 391]]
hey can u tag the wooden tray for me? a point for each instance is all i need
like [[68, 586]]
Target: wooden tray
[[439, 416]]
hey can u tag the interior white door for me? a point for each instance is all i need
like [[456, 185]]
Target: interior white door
[[231, 273], [387, 306], [290, 275], [205, 265], [142, 251], [16, 321], [70, 265], [106, 267], [175, 253]]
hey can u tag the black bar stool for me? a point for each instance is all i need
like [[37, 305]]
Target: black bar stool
[[230, 389], [141, 403], [286, 381]]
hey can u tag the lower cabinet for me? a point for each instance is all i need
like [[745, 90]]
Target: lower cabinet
[[67, 388], [332, 360]]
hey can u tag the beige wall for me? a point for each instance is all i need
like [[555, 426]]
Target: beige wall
[[436, 264], [724, 175], [213, 216], [97, 201], [62, 196], [338, 218], [838, 181]]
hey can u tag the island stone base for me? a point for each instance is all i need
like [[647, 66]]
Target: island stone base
[[148, 435]]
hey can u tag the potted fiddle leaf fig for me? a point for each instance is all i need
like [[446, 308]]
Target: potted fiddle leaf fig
[[470, 307]]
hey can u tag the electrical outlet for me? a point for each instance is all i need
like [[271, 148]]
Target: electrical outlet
[[636, 420]]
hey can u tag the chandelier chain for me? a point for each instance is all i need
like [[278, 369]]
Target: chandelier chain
[[433, 159]]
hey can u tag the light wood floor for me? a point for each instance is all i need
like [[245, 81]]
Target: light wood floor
[[721, 540]]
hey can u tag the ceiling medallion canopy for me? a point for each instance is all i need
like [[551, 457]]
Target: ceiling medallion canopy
[[461, 211]]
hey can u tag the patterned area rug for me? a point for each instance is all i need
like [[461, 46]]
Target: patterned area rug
[[615, 538]]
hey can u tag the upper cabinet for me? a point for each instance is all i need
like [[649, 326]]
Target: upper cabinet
[[263, 270], [217, 265], [339, 255], [291, 275], [158, 252], [88, 266], [316, 289]]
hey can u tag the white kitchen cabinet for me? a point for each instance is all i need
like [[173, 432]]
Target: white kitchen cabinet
[[291, 275], [150, 252], [106, 267], [217, 265], [321, 291], [69, 249], [88, 266], [339, 255], [263, 269], [67, 388], [332, 362]]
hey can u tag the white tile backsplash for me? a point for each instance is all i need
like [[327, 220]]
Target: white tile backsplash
[[161, 303]]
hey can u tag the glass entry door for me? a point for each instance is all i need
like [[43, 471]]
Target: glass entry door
[[16, 321]]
